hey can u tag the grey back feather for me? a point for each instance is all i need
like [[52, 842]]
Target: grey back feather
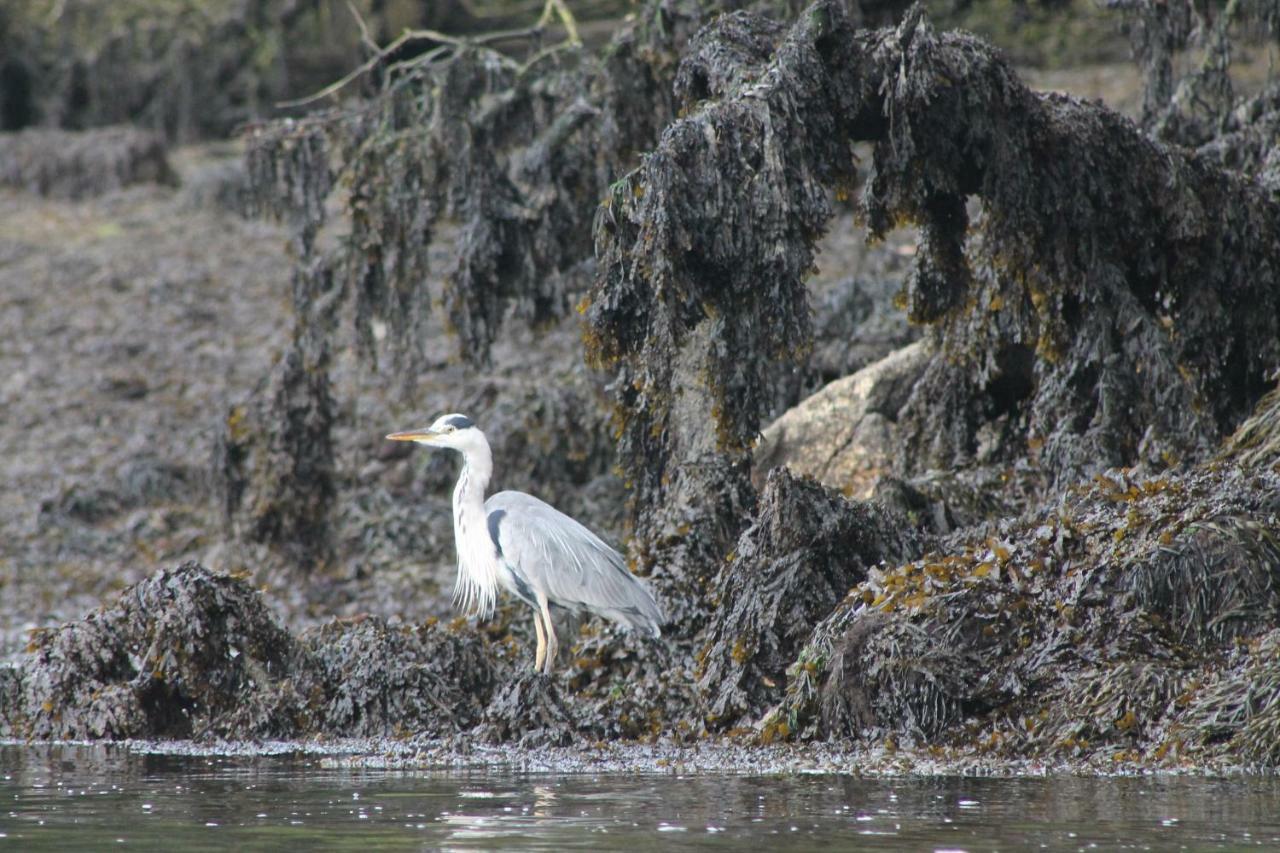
[[574, 568]]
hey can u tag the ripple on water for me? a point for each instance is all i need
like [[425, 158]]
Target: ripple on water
[[55, 797]]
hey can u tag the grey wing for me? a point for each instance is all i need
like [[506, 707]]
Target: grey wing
[[549, 552]]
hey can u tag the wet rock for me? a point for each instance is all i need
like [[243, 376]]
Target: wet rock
[[76, 165], [531, 711], [855, 323], [185, 653], [385, 680], [804, 551], [844, 435]]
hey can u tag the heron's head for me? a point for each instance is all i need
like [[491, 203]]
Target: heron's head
[[454, 431]]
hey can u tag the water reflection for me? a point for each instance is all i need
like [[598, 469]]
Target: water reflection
[[58, 797]]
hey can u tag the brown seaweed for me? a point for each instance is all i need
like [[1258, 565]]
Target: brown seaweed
[[78, 165], [1070, 630], [804, 551], [192, 654], [1106, 284], [274, 461], [1099, 573]]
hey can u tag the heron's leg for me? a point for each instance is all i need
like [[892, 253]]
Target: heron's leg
[[542, 641], [553, 645]]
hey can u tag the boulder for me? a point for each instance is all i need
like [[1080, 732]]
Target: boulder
[[843, 435]]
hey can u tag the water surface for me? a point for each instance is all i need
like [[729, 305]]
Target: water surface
[[59, 797]]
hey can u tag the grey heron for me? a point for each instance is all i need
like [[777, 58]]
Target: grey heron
[[537, 553]]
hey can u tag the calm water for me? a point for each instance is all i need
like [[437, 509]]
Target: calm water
[[81, 797]]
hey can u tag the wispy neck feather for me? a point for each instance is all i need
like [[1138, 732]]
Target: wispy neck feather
[[476, 591]]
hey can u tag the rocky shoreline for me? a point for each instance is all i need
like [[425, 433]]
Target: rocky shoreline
[[1037, 530]]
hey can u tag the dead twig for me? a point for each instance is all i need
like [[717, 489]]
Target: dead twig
[[364, 68], [561, 11], [448, 43], [550, 50], [364, 28]]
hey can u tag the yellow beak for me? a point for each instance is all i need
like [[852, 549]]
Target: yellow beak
[[412, 435]]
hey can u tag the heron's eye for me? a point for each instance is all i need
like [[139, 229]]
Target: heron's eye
[[450, 428]]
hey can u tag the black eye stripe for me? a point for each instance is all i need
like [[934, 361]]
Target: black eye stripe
[[459, 422]]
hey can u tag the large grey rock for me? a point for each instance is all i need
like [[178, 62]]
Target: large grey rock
[[843, 435]]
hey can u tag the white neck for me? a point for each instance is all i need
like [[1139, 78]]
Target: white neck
[[476, 590]]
